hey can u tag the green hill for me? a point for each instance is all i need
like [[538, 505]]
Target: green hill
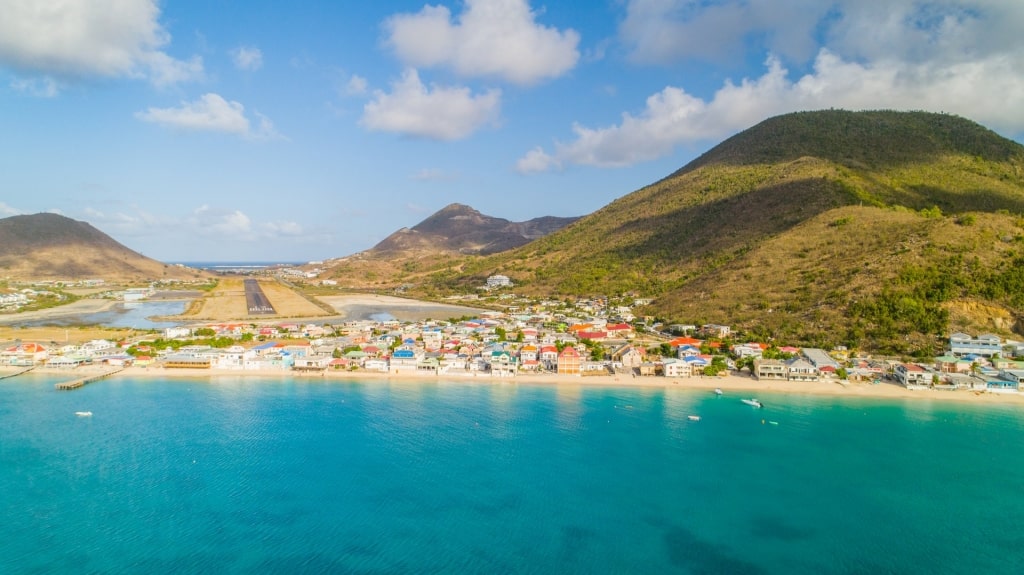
[[881, 230]]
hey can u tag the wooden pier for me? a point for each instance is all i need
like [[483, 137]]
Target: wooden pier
[[17, 373], [76, 383]]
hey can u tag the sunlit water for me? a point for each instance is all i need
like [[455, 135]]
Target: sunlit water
[[134, 315], [247, 475]]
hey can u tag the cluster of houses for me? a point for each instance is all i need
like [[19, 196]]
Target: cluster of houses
[[509, 344]]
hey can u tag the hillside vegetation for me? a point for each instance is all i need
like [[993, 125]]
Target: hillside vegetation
[[881, 230]]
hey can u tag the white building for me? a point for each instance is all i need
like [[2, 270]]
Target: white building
[[985, 345], [497, 281]]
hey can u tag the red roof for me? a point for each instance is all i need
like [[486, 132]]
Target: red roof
[[592, 335], [681, 341]]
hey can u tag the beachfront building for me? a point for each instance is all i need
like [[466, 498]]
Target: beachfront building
[[821, 360], [911, 375], [548, 357], [502, 364], [985, 345], [188, 361], [672, 367], [770, 369], [312, 363], [24, 354], [569, 361], [627, 356], [799, 369]]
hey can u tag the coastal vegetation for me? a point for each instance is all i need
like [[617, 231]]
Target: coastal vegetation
[[880, 230]]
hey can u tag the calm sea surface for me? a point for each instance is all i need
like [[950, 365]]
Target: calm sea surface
[[232, 475]]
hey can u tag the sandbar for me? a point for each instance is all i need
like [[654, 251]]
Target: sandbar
[[80, 307]]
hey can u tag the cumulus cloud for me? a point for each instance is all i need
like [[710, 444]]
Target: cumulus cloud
[[495, 38], [89, 38], [435, 112], [6, 210], [673, 117], [211, 113], [247, 58], [955, 56], [537, 160]]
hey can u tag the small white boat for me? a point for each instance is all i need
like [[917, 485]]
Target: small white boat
[[693, 417], [83, 413], [718, 391], [752, 401]]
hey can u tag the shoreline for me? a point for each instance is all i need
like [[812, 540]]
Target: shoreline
[[731, 384]]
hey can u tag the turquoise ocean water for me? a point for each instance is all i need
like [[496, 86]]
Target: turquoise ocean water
[[236, 475]]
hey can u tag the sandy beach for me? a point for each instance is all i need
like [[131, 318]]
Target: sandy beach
[[732, 385]]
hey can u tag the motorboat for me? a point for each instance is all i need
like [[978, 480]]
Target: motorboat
[[693, 417], [718, 391], [753, 402], [83, 413]]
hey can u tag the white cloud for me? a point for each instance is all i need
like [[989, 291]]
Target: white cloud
[[286, 228], [6, 210], [88, 38], [211, 113], [44, 87], [978, 90], [497, 38], [537, 160], [356, 85], [665, 31], [216, 225], [247, 58], [437, 112]]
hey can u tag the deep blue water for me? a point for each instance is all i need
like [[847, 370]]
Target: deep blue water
[[246, 475]]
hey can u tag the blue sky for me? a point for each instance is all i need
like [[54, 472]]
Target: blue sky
[[257, 130]]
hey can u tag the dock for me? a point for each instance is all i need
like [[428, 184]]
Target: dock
[[76, 383], [17, 373]]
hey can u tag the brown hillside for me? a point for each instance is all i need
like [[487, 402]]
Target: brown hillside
[[54, 247], [460, 229]]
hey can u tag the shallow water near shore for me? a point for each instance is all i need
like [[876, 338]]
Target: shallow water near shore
[[240, 474]]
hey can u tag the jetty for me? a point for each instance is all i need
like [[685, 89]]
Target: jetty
[[17, 373], [76, 383]]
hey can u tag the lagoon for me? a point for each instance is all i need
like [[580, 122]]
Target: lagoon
[[241, 474], [133, 315]]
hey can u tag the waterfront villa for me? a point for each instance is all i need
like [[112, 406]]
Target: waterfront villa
[[985, 345]]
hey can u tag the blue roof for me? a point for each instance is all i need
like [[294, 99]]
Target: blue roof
[[263, 346], [403, 353]]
